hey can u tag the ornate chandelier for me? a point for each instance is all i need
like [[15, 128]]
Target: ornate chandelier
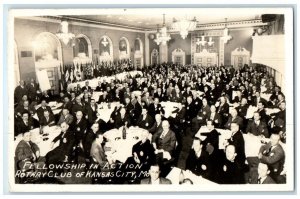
[[63, 33], [226, 37], [162, 37], [184, 26]]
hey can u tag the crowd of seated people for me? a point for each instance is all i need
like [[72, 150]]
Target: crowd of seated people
[[204, 97]]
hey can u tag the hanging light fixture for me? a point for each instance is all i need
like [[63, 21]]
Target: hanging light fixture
[[104, 41], [202, 41], [226, 37], [184, 26], [162, 37], [63, 33]]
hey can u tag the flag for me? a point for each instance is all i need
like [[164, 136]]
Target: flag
[[67, 76], [72, 75]]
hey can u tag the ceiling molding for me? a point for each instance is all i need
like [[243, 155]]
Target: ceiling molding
[[86, 23]]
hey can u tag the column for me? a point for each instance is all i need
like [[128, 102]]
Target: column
[[163, 53], [147, 50]]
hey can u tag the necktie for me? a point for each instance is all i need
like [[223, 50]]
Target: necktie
[[259, 181]]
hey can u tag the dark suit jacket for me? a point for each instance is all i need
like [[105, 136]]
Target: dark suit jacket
[[224, 111], [145, 152], [217, 120], [242, 111], [79, 129], [98, 154], [65, 147], [49, 122], [195, 164], [154, 129], [118, 121], [21, 127], [145, 123], [238, 141], [68, 119], [92, 114], [268, 180], [274, 158], [67, 106], [257, 130], [167, 143], [104, 99], [190, 112], [231, 173], [161, 181], [237, 120], [152, 110], [19, 92], [40, 111], [87, 141], [86, 88], [25, 152], [77, 107]]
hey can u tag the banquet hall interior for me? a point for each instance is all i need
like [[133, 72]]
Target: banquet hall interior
[[146, 96]]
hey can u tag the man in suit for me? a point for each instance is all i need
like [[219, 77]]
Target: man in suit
[[145, 121], [155, 108], [263, 175], [20, 91], [157, 126], [77, 106], [190, 110], [128, 105], [257, 127], [147, 99], [234, 118], [89, 138], [104, 98], [32, 90], [47, 119], [215, 117], [223, 109], [25, 124], [79, 127], [154, 179], [198, 160], [231, 171], [91, 111], [86, 87], [67, 103], [40, 111], [65, 117], [243, 108], [164, 141], [176, 96], [26, 152], [237, 140], [273, 155], [63, 152], [142, 156], [122, 119], [257, 98], [25, 107]]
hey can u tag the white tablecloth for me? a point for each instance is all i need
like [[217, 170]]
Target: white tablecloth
[[174, 177], [122, 149], [169, 107], [45, 146], [93, 83], [105, 110], [252, 142]]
